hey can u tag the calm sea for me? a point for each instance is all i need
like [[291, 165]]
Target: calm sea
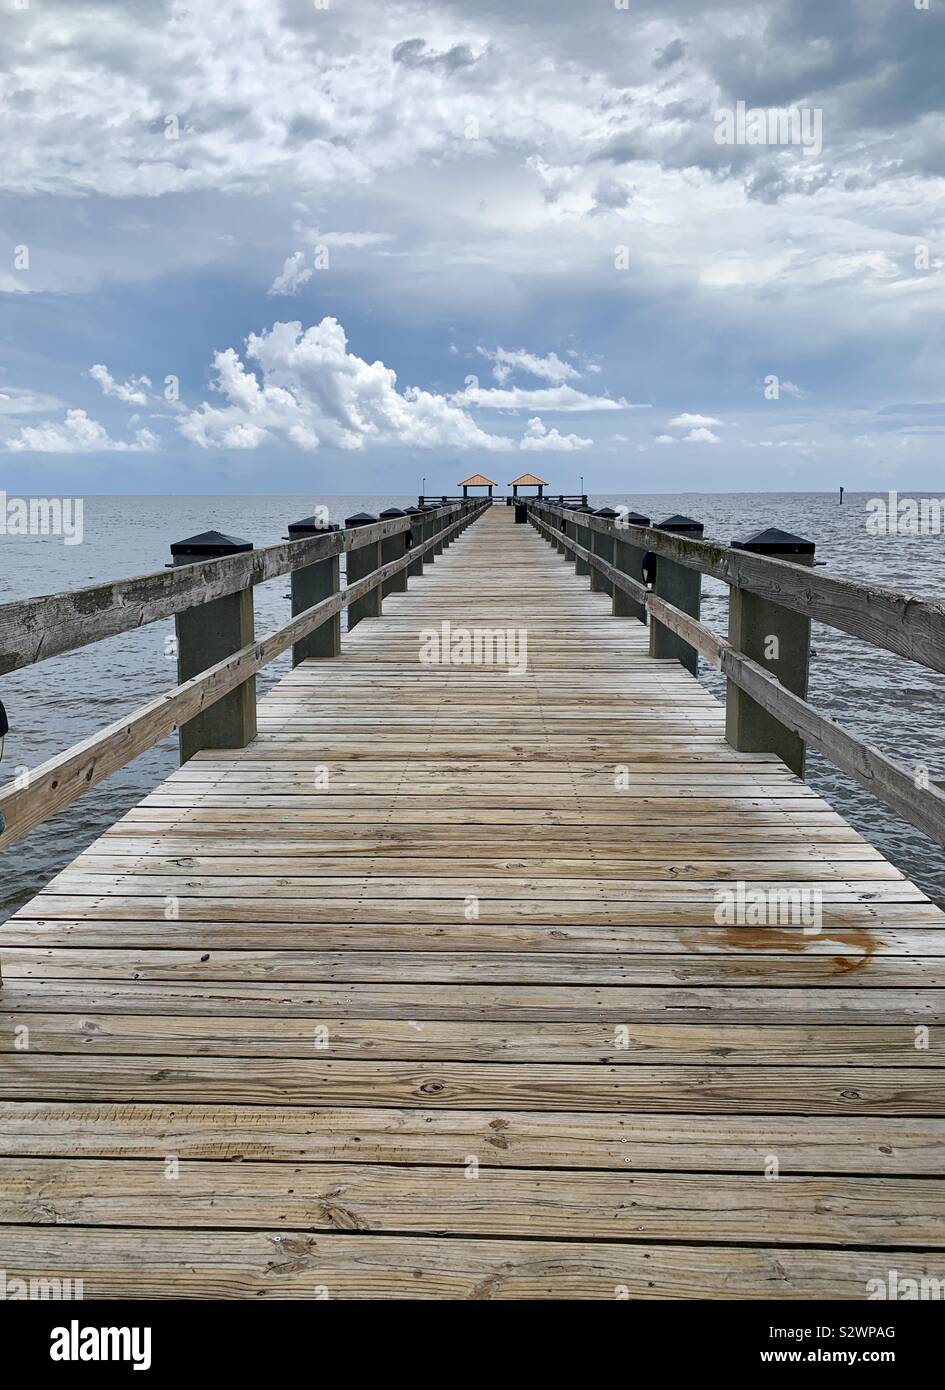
[[893, 703]]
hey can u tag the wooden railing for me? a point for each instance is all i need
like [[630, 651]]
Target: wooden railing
[[210, 599], [765, 659]]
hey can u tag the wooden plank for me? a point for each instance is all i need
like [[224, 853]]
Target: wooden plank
[[481, 1085], [464, 1200], [854, 942], [471, 1040], [469, 967], [283, 1265], [499, 1138], [616, 1004]]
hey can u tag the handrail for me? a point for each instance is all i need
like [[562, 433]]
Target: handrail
[[886, 778], [900, 622], [35, 629], [61, 780]]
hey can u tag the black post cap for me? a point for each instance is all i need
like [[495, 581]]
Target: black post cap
[[391, 512], [774, 541], [414, 511], [680, 523], [210, 545], [607, 513], [309, 525], [361, 519], [635, 519]]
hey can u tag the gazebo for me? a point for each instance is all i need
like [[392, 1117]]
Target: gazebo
[[528, 480], [477, 480]]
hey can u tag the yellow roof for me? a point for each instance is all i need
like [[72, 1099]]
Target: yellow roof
[[528, 480], [477, 480]]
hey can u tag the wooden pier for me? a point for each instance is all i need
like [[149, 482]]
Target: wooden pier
[[429, 991]]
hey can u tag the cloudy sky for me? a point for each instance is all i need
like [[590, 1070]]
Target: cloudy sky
[[335, 245]]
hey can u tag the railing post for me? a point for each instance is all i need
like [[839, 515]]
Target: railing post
[[429, 530], [394, 548], [778, 639], [447, 523], [438, 524], [362, 562], [681, 586], [583, 537], [604, 547], [415, 568], [629, 560], [310, 585], [562, 522], [207, 634]]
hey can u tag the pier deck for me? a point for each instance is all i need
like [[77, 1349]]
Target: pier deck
[[424, 993]]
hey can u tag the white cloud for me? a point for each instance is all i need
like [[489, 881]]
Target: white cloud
[[506, 361], [15, 401], [310, 390], [695, 436], [356, 240], [538, 436], [564, 398], [686, 422], [132, 392], [294, 274], [76, 434]]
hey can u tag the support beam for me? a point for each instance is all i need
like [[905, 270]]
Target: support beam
[[207, 634], [603, 546], [418, 535], [629, 559], [681, 586], [394, 548], [779, 640], [582, 535], [361, 563], [309, 586]]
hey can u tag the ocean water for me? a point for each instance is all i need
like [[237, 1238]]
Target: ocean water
[[895, 704]]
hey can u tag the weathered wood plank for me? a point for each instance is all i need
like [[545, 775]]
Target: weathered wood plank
[[461, 1200], [500, 1138], [282, 1265], [383, 1039], [480, 1085]]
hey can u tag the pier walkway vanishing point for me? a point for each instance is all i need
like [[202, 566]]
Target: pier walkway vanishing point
[[427, 992]]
